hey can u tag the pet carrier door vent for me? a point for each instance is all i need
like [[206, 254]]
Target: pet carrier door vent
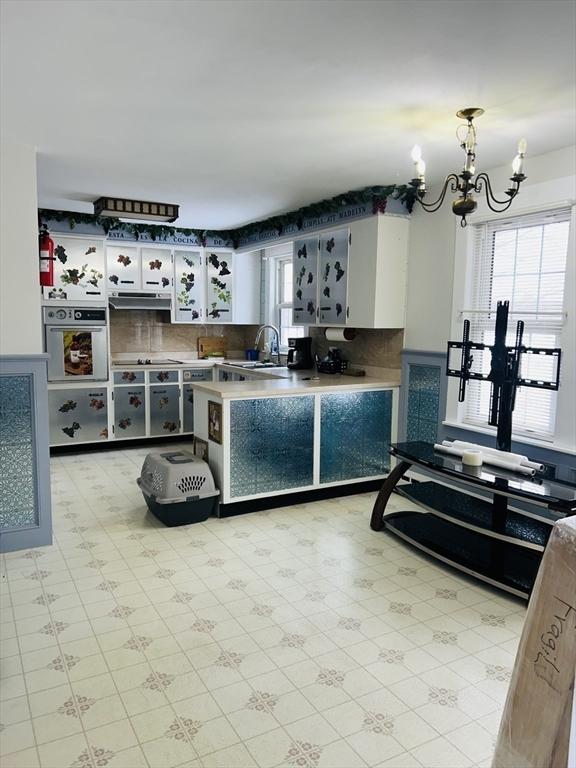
[[191, 483]]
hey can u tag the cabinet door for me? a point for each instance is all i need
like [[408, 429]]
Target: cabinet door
[[189, 287], [156, 269], [129, 412], [123, 264], [78, 415], [218, 286], [355, 430], [78, 269], [163, 377], [164, 410], [305, 276], [333, 276], [188, 408]]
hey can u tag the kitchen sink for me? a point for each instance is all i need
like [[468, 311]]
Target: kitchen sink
[[256, 366]]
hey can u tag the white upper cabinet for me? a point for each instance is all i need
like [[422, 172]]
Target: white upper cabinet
[[378, 261], [333, 277], [353, 276], [219, 285], [305, 277], [189, 286], [320, 275], [156, 269], [138, 268], [78, 269], [215, 285], [123, 264]]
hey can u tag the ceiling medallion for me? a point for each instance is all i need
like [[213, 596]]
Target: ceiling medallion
[[467, 181]]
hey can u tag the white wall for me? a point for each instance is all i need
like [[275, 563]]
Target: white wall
[[433, 236], [20, 320]]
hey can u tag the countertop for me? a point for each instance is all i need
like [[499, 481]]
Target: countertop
[[286, 382]]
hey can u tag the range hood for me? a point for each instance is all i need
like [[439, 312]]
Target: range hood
[[135, 300]]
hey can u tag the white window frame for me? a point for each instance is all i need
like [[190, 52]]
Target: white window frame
[[273, 258], [540, 197]]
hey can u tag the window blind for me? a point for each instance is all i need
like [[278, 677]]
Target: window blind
[[522, 260]]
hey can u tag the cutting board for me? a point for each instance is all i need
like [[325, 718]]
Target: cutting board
[[209, 346]]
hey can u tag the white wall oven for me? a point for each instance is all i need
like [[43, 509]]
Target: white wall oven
[[76, 341]]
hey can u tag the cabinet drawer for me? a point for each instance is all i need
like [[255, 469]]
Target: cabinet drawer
[[128, 377], [163, 377], [197, 374]]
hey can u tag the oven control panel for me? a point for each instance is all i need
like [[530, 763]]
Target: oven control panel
[[76, 315]]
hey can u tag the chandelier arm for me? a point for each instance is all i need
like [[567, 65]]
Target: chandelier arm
[[490, 197], [433, 207]]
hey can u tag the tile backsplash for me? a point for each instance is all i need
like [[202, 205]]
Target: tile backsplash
[[371, 346], [143, 331], [147, 331]]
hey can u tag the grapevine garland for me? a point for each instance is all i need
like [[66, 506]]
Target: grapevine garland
[[375, 196]]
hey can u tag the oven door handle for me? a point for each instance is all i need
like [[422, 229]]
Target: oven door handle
[[85, 329]]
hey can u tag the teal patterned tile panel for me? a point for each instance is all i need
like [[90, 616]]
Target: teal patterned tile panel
[[271, 444], [355, 435], [423, 402], [18, 507]]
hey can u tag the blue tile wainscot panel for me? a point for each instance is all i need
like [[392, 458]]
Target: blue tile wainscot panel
[[423, 402], [271, 444], [355, 430], [25, 510], [17, 475]]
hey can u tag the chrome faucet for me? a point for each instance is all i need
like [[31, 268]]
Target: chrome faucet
[[276, 331]]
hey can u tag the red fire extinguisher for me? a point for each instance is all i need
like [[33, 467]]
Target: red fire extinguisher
[[46, 257]]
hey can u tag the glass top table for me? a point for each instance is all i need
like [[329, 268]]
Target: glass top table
[[470, 526], [556, 487]]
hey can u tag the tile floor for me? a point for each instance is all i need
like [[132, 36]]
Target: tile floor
[[296, 637]]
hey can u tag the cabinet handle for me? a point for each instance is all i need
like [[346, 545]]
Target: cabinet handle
[[317, 311], [347, 312]]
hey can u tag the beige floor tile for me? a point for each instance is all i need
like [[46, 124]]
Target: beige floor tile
[[16, 737], [440, 753], [25, 758]]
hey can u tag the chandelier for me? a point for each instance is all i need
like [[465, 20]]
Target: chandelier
[[467, 182]]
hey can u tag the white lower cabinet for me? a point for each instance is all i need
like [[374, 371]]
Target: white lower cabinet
[[78, 415], [143, 403], [129, 412]]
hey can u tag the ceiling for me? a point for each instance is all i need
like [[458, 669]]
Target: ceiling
[[242, 109]]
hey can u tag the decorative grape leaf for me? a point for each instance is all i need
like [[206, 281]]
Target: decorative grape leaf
[[223, 269], [330, 245], [61, 254], [90, 250]]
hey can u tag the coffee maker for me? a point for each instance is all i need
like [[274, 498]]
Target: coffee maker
[[300, 353]]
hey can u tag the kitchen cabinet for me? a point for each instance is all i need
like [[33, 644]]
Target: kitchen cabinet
[[189, 376], [129, 412], [305, 277], [355, 435], [215, 285], [353, 276], [189, 287], [78, 415], [164, 409], [333, 277], [138, 268], [79, 267], [378, 263], [320, 275], [156, 269]]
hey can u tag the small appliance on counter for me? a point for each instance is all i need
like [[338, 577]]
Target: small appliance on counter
[[332, 363], [300, 354]]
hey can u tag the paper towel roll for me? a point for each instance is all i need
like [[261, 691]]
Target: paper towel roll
[[472, 458], [340, 334]]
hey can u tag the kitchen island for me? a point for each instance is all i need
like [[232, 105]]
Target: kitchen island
[[286, 437]]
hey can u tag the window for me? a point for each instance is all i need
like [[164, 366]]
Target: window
[[279, 293], [522, 260]]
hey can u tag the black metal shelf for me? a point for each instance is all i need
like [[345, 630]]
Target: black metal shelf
[[475, 514], [513, 568]]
